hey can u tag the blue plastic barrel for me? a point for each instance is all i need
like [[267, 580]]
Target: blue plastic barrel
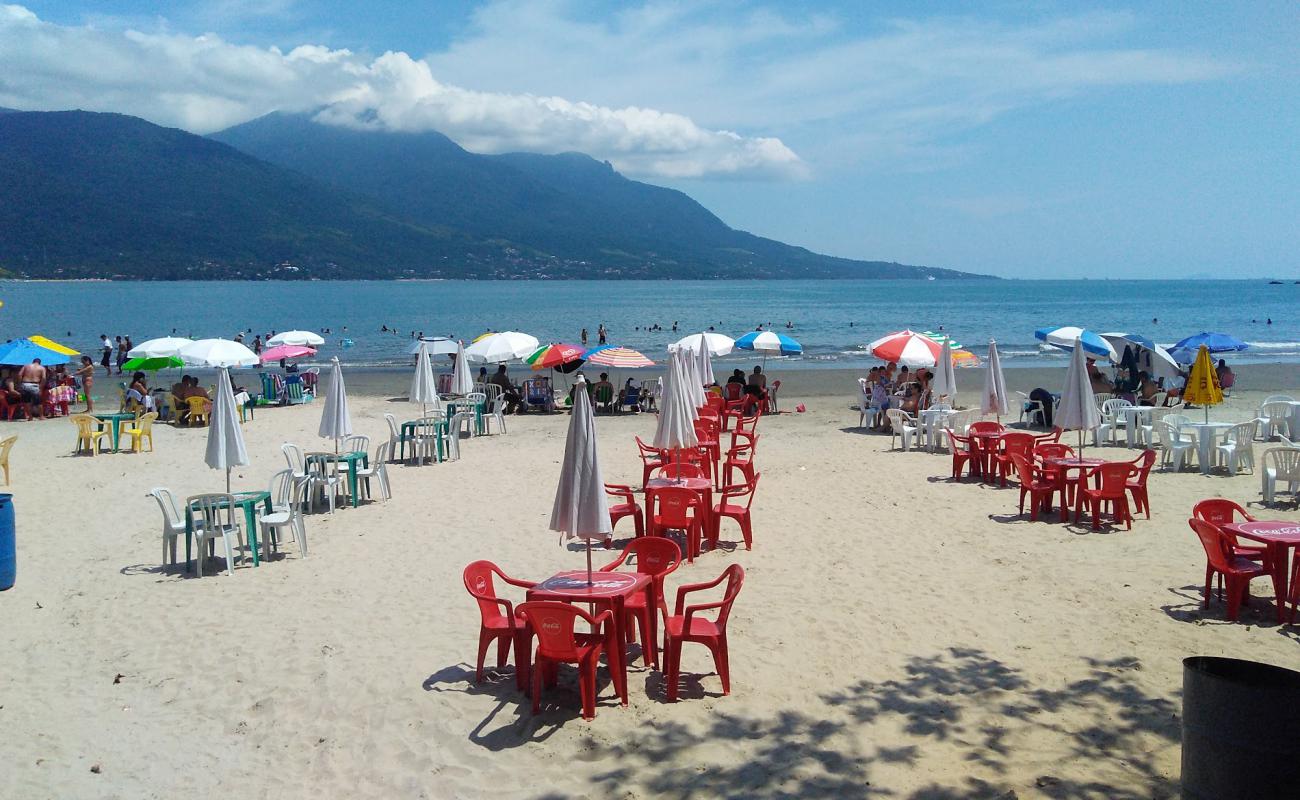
[[8, 553]]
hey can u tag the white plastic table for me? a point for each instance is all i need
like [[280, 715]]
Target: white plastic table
[[1293, 422], [932, 420], [1133, 417], [1206, 433]]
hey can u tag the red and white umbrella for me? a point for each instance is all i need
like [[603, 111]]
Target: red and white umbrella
[[908, 348], [287, 351], [618, 358]]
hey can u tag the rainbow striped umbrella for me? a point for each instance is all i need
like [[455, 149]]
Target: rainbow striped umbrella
[[617, 357], [554, 356]]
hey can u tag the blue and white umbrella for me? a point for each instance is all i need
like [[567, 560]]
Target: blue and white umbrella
[[1063, 338], [1151, 357], [1185, 351], [769, 342]]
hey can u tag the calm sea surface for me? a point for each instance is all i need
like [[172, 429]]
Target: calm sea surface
[[832, 319]]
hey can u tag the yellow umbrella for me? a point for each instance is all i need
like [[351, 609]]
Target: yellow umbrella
[[50, 344], [1202, 387], [964, 358]]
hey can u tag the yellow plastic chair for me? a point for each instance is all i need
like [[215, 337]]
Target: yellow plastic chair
[[90, 434], [5, 447], [143, 430], [200, 409]]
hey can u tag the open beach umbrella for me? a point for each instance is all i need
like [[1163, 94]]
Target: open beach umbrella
[[286, 351], [564, 357], [995, 385], [162, 347], [50, 344], [424, 388], [152, 364], [769, 342], [941, 338], [964, 358], [462, 382], [437, 346], [1063, 338], [1203, 387], [906, 347], [306, 338], [335, 422], [21, 351], [225, 438], [1078, 408], [1185, 352], [945, 379], [1151, 357], [718, 344], [497, 348], [580, 509], [617, 357], [675, 428], [218, 353]]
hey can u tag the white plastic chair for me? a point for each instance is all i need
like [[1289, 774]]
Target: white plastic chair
[[1278, 398], [216, 512], [865, 411], [1175, 447], [356, 443], [1238, 447], [378, 470], [1111, 420], [461, 420], [286, 512], [496, 413], [1280, 464], [902, 425], [1146, 434], [1275, 420], [325, 481], [173, 522], [1031, 408], [474, 398]]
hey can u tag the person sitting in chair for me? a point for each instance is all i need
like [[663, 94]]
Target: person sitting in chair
[[603, 393], [509, 392]]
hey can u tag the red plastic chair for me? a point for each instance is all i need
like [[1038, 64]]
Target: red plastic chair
[[652, 458], [500, 619], [682, 470], [1113, 491], [962, 454], [1049, 450], [655, 557], [733, 395], [10, 411], [738, 458], [735, 511], [715, 403], [679, 509], [1219, 511], [1051, 437], [627, 508], [558, 643], [747, 429], [769, 398], [1237, 571], [1040, 488], [686, 625], [1137, 485], [706, 433], [1012, 443], [984, 426]]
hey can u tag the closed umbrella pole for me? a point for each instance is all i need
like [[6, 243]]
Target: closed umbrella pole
[[225, 438], [581, 509], [995, 385], [1078, 407], [335, 421], [424, 388]]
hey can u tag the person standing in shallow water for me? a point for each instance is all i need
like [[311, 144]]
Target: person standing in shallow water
[[584, 337], [600, 333], [86, 372]]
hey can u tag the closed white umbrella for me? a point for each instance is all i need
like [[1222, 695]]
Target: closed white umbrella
[[335, 422], [462, 382], [497, 348], [218, 353], [705, 363], [675, 428], [580, 509], [424, 389], [1078, 408], [296, 337], [994, 400], [225, 439], [945, 377], [717, 344], [690, 363], [165, 347]]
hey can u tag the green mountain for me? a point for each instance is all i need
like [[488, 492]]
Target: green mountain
[[106, 195]]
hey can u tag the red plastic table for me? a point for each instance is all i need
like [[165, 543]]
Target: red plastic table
[[1281, 537], [702, 486], [986, 445], [1065, 465], [607, 588]]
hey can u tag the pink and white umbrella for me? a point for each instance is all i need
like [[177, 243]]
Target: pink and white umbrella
[[908, 348], [285, 351]]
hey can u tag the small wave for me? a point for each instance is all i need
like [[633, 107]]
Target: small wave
[[1274, 345]]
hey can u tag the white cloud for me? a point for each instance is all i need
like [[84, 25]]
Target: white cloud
[[204, 84]]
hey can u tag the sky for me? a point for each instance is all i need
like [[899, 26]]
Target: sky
[[1020, 139]]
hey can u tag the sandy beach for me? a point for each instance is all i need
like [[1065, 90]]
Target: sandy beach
[[899, 635]]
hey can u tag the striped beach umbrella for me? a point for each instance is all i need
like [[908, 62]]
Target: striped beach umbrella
[[769, 342], [617, 357], [906, 347], [555, 356], [941, 338], [1064, 337]]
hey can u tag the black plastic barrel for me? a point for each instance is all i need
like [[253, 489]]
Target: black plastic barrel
[[1241, 730], [8, 549]]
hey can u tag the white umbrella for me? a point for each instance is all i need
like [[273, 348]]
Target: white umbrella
[[675, 428], [994, 400], [945, 378], [580, 508], [690, 364], [437, 346], [717, 344], [218, 353], [165, 347], [1078, 408], [225, 439], [424, 389], [496, 348], [296, 337], [335, 422], [462, 382], [705, 364]]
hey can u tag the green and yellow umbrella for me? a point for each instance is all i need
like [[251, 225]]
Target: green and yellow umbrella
[[1202, 387]]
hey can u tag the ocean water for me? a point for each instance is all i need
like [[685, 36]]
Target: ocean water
[[832, 319]]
